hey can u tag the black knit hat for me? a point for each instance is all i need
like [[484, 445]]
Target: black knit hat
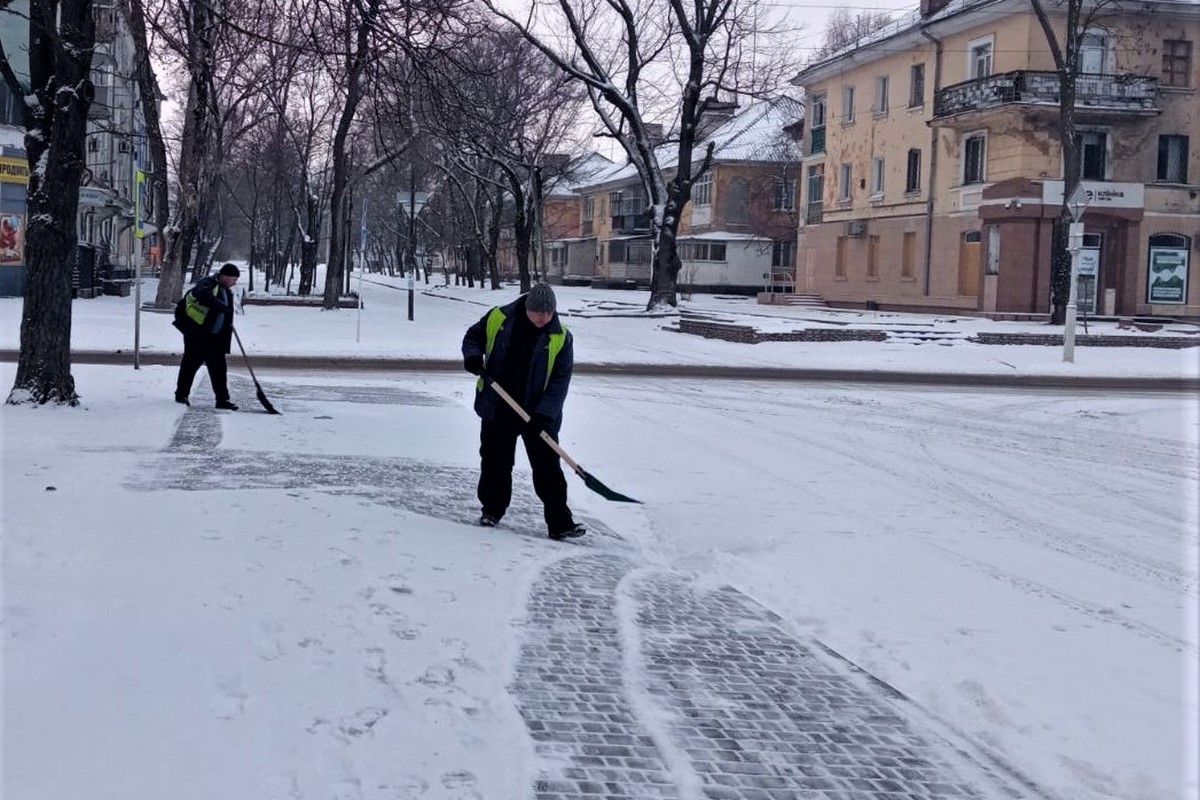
[[540, 299], [230, 270]]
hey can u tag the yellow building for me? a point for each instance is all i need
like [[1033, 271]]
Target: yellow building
[[933, 175]]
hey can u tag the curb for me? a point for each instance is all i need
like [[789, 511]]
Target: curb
[[702, 371]]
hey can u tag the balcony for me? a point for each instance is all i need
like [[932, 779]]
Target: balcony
[[631, 223], [1097, 97]]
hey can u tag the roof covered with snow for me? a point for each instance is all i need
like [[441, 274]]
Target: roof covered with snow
[[755, 134]]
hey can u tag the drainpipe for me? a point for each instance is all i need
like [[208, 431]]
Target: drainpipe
[[933, 161]]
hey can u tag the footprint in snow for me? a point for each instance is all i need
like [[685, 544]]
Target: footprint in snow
[[459, 779]]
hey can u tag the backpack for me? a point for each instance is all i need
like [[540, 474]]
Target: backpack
[[182, 321]]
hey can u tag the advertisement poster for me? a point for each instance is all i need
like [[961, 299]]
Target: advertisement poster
[[12, 239], [1167, 276]]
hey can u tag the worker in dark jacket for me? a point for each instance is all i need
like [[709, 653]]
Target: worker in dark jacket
[[205, 317], [526, 349]]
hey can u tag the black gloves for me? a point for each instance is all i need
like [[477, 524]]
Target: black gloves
[[473, 364], [538, 423]]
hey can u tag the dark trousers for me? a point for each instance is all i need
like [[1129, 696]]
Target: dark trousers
[[497, 451], [206, 350]]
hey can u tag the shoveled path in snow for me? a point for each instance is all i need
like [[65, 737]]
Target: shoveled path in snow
[[639, 684]]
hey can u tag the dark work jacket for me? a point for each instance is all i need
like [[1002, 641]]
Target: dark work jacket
[[217, 328], [542, 393]]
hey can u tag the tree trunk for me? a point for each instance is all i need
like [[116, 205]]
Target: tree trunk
[[193, 156], [156, 178], [1060, 259], [61, 41]]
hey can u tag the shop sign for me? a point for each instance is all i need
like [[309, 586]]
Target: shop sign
[[14, 170], [1167, 275], [1100, 194]]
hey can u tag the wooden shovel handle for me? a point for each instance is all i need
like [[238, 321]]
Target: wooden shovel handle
[[547, 438]]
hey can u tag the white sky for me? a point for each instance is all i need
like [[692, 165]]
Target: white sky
[[307, 612]]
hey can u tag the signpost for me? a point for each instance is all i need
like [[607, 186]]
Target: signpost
[[415, 201], [1077, 203], [362, 262]]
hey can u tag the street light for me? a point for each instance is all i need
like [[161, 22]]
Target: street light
[[414, 201]]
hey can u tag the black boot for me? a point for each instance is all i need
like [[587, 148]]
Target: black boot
[[573, 532], [226, 405]]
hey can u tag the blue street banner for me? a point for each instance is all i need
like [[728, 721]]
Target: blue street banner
[[362, 230]]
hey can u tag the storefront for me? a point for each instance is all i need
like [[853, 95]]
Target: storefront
[[14, 178]]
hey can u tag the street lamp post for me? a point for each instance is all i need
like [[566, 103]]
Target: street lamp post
[[415, 201], [1077, 203]]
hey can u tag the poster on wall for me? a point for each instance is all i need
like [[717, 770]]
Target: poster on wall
[[1167, 275], [12, 239]]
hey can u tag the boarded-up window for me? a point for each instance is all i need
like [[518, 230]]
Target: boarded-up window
[[908, 255], [839, 261], [872, 256]]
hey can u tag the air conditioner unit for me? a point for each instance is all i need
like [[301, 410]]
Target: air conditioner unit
[[856, 228]]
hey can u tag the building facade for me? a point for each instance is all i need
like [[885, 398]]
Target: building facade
[[736, 234], [115, 147], [933, 173]]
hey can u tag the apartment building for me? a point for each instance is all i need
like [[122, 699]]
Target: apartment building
[[933, 172], [115, 146], [738, 232]]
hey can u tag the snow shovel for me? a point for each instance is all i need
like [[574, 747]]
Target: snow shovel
[[262, 398], [589, 479]]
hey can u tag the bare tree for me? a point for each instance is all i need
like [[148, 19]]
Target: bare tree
[[500, 100], [1065, 47], [639, 58], [844, 28], [61, 40], [148, 92]]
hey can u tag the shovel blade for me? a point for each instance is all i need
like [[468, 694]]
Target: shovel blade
[[594, 483]]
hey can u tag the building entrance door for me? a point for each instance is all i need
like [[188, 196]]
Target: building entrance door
[[970, 263]]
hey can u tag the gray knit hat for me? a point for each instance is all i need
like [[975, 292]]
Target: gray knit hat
[[540, 298]]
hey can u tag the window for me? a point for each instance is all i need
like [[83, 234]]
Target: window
[[979, 58], [629, 252], [785, 195], [558, 258], [702, 190], [839, 260], [1093, 155], [736, 202], [702, 251], [881, 95], [872, 258], [847, 105], [912, 177], [1093, 52], [816, 193], [908, 255], [844, 182], [974, 155], [1177, 63], [1172, 159], [589, 213], [782, 254], [816, 129], [916, 86], [614, 203], [876, 177]]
